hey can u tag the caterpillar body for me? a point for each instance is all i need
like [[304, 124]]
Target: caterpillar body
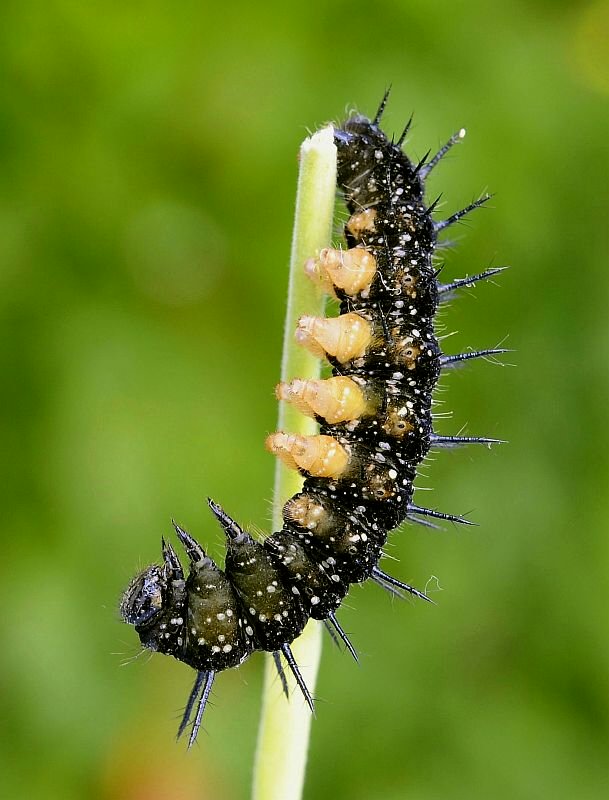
[[375, 416]]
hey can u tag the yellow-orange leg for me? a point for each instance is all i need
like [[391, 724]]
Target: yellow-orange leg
[[351, 270], [320, 456], [336, 399]]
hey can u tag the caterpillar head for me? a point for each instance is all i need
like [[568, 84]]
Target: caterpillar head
[[143, 598], [154, 603]]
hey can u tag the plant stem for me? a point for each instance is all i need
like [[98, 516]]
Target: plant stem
[[283, 735]]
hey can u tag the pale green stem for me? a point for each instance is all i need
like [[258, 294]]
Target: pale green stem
[[283, 737]]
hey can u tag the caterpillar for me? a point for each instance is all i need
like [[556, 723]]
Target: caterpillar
[[375, 418]]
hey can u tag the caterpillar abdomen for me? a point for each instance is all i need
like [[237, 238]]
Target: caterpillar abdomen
[[375, 428]]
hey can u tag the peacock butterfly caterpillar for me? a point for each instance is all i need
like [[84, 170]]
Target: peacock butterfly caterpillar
[[376, 426]]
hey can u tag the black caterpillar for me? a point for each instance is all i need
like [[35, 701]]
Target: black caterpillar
[[375, 428]]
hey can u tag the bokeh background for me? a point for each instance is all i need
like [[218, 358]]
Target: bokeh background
[[148, 167]]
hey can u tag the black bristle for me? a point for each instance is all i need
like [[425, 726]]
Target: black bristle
[[467, 283], [192, 699], [287, 654], [420, 165], [456, 441], [281, 673], [456, 137], [383, 577], [381, 108], [434, 205], [347, 642], [441, 224], [430, 512], [404, 133], [458, 358], [209, 680]]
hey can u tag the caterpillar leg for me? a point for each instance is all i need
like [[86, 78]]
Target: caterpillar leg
[[202, 688], [287, 654]]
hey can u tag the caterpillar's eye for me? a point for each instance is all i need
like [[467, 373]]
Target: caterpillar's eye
[[143, 597]]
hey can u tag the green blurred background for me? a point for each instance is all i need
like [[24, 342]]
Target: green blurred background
[[147, 190]]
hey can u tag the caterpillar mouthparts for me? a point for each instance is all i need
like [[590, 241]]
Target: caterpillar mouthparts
[[376, 427]]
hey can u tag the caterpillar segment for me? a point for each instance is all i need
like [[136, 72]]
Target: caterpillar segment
[[375, 417]]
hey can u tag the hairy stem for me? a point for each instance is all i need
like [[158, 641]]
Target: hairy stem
[[283, 735]]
